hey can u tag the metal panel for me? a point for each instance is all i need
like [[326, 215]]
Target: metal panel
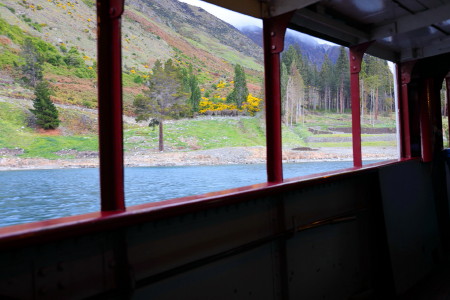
[[325, 263], [245, 276], [325, 201], [410, 216], [16, 275], [71, 269], [161, 246]]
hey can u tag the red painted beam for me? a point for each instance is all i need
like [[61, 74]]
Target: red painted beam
[[404, 72], [426, 117], [356, 55], [274, 30], [51, 230], [110, 104]]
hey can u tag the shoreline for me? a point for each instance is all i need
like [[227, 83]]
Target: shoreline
[[220, 156]]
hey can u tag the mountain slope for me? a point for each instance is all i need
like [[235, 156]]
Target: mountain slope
[[151, 30], [310, 48]]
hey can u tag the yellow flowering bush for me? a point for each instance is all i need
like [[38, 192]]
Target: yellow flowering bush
[[221, 85], [206, 105], [252, 105], [217, 106]]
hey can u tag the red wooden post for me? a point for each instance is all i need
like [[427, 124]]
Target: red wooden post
[[274, 30], [356, 55], [404, 72], [426, 117], [109, 13]]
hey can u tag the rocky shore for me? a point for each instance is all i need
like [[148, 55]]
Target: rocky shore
[[221, 156]]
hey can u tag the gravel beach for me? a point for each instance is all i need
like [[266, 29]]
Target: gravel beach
[[220, 156]]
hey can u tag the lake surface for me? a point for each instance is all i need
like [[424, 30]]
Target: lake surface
[[33, 195]]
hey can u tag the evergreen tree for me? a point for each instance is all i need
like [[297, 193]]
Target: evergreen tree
[[185, 76], [326, 82], [44, 109], [342, 81], [291, 56], [240, 92], [164, 99], [189, 82], [196, 95], [32, 69]]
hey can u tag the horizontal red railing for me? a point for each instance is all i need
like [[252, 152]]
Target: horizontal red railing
[[54, 229]]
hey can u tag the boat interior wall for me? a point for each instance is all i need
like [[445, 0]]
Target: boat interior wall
[[333, 234], [411, 226], [369, 232]]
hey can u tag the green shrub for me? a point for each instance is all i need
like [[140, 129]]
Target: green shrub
[[7, 58], [85, 72]]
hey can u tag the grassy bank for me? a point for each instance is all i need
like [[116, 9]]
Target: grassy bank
[[78, 132]]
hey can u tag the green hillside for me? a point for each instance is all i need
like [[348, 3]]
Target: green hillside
[[180, 135], [61, 36]]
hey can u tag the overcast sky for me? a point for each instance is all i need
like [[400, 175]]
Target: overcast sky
[[236, 19]]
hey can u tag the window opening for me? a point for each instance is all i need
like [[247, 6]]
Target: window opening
[[316, 106], [194, 110], [48, 110], [445, 112], [379, 135]]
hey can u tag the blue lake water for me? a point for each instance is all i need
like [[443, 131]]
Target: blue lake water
[[33, 195]]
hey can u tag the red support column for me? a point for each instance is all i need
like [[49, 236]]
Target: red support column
[[356, 55], [426, 119], [109, 46], [404, 72], [274, 30]]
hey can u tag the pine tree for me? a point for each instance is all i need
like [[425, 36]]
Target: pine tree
[[291, 56], [44, 109], [190, 85], [326, 82], [196, 94], [32, 69], [342, 81], [240, 92], [164, 99]]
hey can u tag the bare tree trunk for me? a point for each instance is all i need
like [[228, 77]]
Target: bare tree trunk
[[161, 136], [361, 88], [341, 95], [338, 100], [372, 105], [444, 110], [376, 104], [292, 112]]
